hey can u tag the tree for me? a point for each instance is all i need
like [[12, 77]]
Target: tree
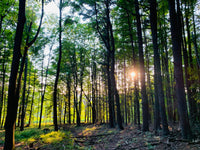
[[12, 101], [145, 107], [58, 69], [178, 71], [157, 69], [14, 88]]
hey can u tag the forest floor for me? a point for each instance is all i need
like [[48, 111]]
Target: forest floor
[[101, 137]]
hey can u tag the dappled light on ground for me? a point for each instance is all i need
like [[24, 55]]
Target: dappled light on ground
[[99, 137]]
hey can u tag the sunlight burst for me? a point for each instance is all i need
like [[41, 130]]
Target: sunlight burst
[[133, 74]]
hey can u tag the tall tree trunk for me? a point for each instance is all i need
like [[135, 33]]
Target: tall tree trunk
[[136, 91], [106, 40], [55, 120], [112, 71], [44, 84], [69, 98], [178, 71], [3, 86], [12, 101], [194, 37], [23, 96], [32, 101], [125, 91], [42, 92], [157, 69], [93, 91], [149, 92], [145, 107], [190, 96], [165, 63]]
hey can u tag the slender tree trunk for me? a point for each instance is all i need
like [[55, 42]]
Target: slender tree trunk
[[55, 120], [1, 21], [136, 91], [106, 40], [112, 71], [3, 86], [165, 61], [23, 96], [178, 71], [93, 91], [125, 91], [194, 37], [44, 84], [69, 99], [145, 108], [4, 113], [42, 92], [32, 101], [190, 96], [157, 69], [146, 53], [12, 101]]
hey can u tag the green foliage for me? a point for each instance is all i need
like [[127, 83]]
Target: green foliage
[[27, 134], [58, 140], [54, 137], [68, 21]]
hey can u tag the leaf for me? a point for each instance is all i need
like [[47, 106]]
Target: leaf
[[68, 21]]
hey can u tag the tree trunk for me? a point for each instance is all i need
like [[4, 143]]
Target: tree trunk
[[69, 98], [125, 91], [178, 71], [93, 91], [194, 37], [106, 40], [112, 71], [23, 96], [55, 120], [145, 107], [135, 81], [190, 96], [44, 85], [149, 91], [12, 101], [42, 92], [157, 69], [32, 101], [3, 86]]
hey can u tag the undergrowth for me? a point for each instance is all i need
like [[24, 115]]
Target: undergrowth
[[44, 139]]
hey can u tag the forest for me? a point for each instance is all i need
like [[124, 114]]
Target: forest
[[99, 74]]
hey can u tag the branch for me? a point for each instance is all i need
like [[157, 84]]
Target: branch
[[104, 40], [86, 96], [36, 35]]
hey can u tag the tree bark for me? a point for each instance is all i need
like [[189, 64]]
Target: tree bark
[[55, 120], [190, 94], [157, 69], [3, 85], [112, 71], [178, 71], [32, 101], [106, 40], [145, 107], [69, 98], [23, 96], [12, 101]]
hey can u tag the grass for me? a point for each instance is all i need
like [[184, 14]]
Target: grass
[[45, 140]]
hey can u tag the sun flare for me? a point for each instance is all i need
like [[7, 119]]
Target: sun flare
[[133, 74]]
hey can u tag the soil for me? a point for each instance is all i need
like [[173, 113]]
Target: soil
[[101, 137]]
